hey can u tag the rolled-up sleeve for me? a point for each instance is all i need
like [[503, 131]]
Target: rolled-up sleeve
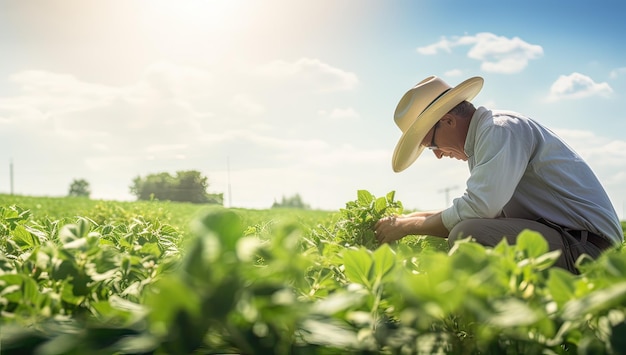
[[501, 155]]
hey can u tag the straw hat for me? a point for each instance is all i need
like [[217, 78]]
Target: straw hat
[[420, 108]]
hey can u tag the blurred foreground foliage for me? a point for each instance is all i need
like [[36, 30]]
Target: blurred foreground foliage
[[126, 280]]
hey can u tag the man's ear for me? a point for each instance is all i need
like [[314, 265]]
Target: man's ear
[[449, 119]]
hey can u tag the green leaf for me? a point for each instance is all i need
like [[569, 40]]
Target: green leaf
[[167, 298], [614, 263], [80, 244], [12, 285], [337, 302], [533, 243], [81, 285], [119, 310], [62, 269], [38, 235], [227, 225], [202, 253], [546, 260], [23, 238], [68, 295], [329, 332], [358, 265], [384, 261], [561, 285], [468, 257], [511, 313], [30, 289], [364, 198], [595, 302], [151, 248], [247, 248], [71, 232], [380, 205]]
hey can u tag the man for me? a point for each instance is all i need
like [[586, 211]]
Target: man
[[522, 176]]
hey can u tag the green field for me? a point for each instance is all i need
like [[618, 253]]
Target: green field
[[79, 276], [177, 214]]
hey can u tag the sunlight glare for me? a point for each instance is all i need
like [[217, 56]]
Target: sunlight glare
[[202, 14]]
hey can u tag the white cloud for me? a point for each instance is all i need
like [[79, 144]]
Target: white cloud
[[169, 103], [453, 73], [605, 156], [577, 86], [615, 73], [108, 162], [610, 153], [172, 80], [44, 95], [245, 104], [444, 45], [158, 148], [497, 54], [347, 113], [311, 74]]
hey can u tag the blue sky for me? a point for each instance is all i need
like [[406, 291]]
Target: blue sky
[[278, 97]]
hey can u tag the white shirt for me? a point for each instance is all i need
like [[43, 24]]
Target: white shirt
[[521, 169]]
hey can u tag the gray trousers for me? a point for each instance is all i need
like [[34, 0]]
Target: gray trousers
[[489, 232]]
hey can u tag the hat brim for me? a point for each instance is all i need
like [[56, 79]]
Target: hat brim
[[409, 146]]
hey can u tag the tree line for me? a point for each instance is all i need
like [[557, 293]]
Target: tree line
[[184, 186]]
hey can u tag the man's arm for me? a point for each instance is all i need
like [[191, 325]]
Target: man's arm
[[421, 214], [393, 228]]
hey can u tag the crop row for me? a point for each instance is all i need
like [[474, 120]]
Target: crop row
[[134, 284]]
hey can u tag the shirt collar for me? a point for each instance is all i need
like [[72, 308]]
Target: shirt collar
[[470, 139]]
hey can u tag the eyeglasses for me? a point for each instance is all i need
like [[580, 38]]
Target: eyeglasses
[[433, 145]]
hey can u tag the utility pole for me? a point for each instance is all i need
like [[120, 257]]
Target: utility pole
[[230, 196], [11, 175], [446, 191]]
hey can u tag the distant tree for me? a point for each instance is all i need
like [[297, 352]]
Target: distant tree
[[191, 186], [79, 188], [185, 186], [157, 186], [294, 201], [216, 199]]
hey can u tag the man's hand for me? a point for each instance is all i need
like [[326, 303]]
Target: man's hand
[[389, 229]]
